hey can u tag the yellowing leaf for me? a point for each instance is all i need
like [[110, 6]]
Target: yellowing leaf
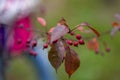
[[115, 24], [93, 45]]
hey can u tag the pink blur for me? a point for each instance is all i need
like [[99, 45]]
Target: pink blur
[[21, 33]]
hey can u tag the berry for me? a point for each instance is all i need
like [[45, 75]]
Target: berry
[[96, 51], [78, 36], [28, 41], [19, 41], [72, 33], [34, 43], [45, 46], [75, 44], [69, 42], [32, 53], [21, 25], [27, 45], [81, 42], [55, 41], [67, 47], [107, 49]]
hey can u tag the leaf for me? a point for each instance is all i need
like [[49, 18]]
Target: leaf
[[51, 30], [93, 45], [114, 31], [89, 26], [107, 48], [115, 24], [60, 30], [85, 24], [90, 45], [117, 16], [41, 21], [96, 44], [81, 29], [95, 31], [116, 28], [62, 22], [72, 61], [56, 54]]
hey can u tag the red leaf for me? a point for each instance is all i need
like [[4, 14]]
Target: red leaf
[[90, 45], [115, 24], [72, 61], [89, 26], [95, 31], [93, 45], [60, 30], [56, 54], [96, 44], [62, 22]]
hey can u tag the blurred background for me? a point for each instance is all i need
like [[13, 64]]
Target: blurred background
[[100, 14]]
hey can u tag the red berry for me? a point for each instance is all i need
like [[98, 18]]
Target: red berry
[[76, 44], [27, 45], [96, 51], [32, 53], [67, 47], [21, 25], [69, 42], [28, 41], [55, 41], [34, 43], [72, 33], [107, 49], [19, 41], [78, 36], [45, 46], [81, 41]]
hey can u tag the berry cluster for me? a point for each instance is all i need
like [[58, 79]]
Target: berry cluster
[[75, 43], [29, 44], [79, 40]]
